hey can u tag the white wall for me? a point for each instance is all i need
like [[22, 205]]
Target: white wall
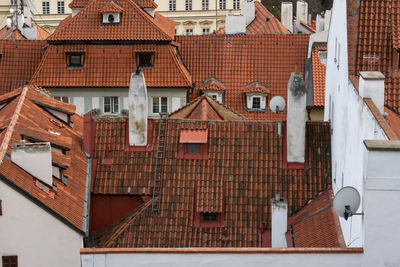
[[34, 235], [351, 120]]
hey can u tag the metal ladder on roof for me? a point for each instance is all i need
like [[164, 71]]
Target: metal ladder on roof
[[159, 164]]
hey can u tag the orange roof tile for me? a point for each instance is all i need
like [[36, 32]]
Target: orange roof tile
[[238, 60], [147, 3], [318, 76], [212, 84], [78, 3], [136, 24], [11, 34], [193, 136], [19, 60], [242, 173], [24, 115], [257, 87], [110, 66], [111, 7]]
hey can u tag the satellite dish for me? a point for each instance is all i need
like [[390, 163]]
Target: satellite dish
[[12, 10], [346, 202], [277, 104], [9, 23]]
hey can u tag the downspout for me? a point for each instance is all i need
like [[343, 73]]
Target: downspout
[[86, 206]]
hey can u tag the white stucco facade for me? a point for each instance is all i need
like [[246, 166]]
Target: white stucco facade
[[37, 237]]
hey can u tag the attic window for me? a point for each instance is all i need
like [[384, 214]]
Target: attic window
[[210, 216], [256, 102], [75, 60], [145, 60], [193, 148], [193, 144], [111, 18]]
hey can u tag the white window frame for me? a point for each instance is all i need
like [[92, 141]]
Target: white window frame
[[160, 99], [236, 4], [250, 102], [46, 7], [189, 31], [112, 104], [188, 5], [60, 7], [222, 4], [205, 5], [206, 31], [63, 98], [172, 5], [259, 103]]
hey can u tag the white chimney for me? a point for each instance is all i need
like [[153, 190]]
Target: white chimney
[[235, 24], [372, 85], [137, 110], [327, 19], [296, 119], [279, 214], [320, 23], [34, 158], [302, 11], [287, 15], [248, 10]]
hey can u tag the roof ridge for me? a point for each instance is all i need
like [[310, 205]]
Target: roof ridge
[[182, 69], [13, 122]]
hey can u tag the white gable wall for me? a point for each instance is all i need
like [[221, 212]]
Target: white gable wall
[[34, 235]]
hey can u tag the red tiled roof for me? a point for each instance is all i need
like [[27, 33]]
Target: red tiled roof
[[193, 136], [11, 34], [19, 60], [24, 115], [110, 66], [264, 23], [78, 3], [257, 87], [238, 60], [212, 84], [111, 7], [135, 24], [147, 3], [317, 225], [241, 175], [308, 27], [318, 73]]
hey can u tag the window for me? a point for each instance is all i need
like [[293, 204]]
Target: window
[[160, 105], [145, 60], [256, 102], [172, 5], [64, 99], [222, 4], [189, 31], [210, 216], [193, 148], [60, 7], [111, 104], [46, 7], [75, 60], [10, 261], [13, 2], [193, 144], [188, 5], [206, 31], [111, 18], [236, 4], [204, 5]]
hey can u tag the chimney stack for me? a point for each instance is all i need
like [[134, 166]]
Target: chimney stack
[[372, 85], [302, 12], [327, 19], [248, 11], [296, 119], [279, 214], [235, 24], [287, 15], [320, 24], [137, 110]]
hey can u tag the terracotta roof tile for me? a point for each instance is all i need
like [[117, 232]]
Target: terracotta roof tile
[[242, 173], [238, 60], [78, 3], [257, 87], [136, 24], [11, 34], [111, 7], [318, 73], [147, 3], [19, 60], [212, 84], [24, 118]]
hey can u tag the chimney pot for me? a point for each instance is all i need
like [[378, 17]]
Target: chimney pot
[[372, 85], [137, 110]]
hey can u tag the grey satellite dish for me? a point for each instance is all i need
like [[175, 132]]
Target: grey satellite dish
[[277, 104], [346, 202], [12, 11], [9, 23]]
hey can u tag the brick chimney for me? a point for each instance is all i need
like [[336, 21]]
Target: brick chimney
[[279, 217], [34, 158], [296, 119], [287, 15], [137, 110], [372, 85]]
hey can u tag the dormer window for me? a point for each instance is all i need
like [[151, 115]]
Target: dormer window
[[111, 18], [214, 88], [111, 13], [216, 95], [193, 144], [210, 216], [145, 60], [256, 97], [75, 60], [256, 102]]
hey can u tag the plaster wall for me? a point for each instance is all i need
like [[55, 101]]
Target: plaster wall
[[38, 238], [351, 121]]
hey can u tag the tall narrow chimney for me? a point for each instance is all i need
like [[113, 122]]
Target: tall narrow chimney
[[372, 85], [320, 23], [287, 15], [296, 119], [279, 216], [137, 110], [302, 11]]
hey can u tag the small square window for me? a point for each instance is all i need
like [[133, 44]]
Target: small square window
[[10, 261], [210, 216], [75, 60], [193, 148], [111, 104], [206, 31], [189, 31], [160, 105], [256, 103], [60, 7], [145, 60], [46, 7]]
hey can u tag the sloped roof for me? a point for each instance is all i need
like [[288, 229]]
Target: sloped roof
[[110, 7], [110, 66], [14, 34], [25, 114], [212, 84], [147, 3], [19, 60], [242, 173], [205, 108], [318, 76], [238, 60], [136, 24], [78, 3], [316, 225]]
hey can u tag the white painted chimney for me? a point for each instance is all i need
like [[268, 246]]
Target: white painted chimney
[[34, 158], [320, 23], [235, 24], [302, 11], [372, 85], [296, 119], [327, 19], [279, 214], [248, 10], [287, 15], [137, 110]]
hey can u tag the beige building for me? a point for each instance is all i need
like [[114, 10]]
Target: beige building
[[198, 16], [46, 13]]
